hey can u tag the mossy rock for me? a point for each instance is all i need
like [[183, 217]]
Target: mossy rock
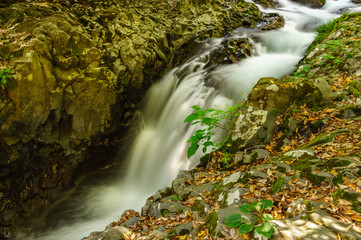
[[199, 207], [212, 222], [277, 185], [324, 138], [335, 162]]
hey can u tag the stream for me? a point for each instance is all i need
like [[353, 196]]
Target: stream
[[159, 149]]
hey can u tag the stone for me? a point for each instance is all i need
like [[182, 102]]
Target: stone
[[183, 229], [233, 178], [130, 222], [326, 90], [158, 209], [115, 233], [300, 153], [291, 229], [348, 113], [321, 217], [255, 155], [178, 185], [257, 174], [327, 177], [234, 195]]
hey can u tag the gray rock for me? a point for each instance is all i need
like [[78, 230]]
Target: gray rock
[[238, 157], [300, 153], [326, 176], [321, 217], [233, 178], [348, 113], [183, 228], [234, 195], [326, 90], [156, 209], [257, 174], [178, 185], [291, 229], [115, 233], [255, 155], [223, 213], [130, 222]]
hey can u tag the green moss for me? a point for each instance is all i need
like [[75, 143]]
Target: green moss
[[337, 180], [281, 169], [199, 207], [334, 162], [302, 164], [352, 197], [164, 212], [245, 178], [326, 29], [324, 138], [314, 179], [351, 87], [315, 127], [338, 194], [277, 185], [184, 232], [305, 166], [309, 205], [211, 222]]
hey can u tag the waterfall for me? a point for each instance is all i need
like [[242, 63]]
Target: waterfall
[[159, 149]]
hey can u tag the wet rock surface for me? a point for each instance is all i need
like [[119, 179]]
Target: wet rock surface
[[307, 159], [78, 70]]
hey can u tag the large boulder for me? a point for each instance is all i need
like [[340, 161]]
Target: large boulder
[[77, 71]]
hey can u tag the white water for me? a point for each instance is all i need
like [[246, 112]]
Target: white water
[[159, 150]]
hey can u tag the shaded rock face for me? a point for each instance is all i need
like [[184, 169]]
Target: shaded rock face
[[78, 70], [311, 3]]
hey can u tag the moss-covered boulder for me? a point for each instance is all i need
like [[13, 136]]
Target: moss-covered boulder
[[78, 69]]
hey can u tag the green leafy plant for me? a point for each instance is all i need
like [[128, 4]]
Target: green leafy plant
[[174, 197], [264, 226], [5, 75], [210, 119]]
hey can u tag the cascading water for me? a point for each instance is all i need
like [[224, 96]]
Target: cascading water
[[159, 150]]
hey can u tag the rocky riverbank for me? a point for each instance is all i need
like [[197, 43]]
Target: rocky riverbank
[[296, 142], [72, 73]]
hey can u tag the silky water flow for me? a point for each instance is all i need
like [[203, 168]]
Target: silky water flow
[[159, 148]]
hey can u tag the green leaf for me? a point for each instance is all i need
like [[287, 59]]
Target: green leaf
[[200, 133], [207, 121], [192, 149], [328, 56], [195, 122], [245, 228], [266, 204], [195, 107], [256, 206], [245, 208], [233, 220], [267, 217], [194, 139], [204, 150], [208, 143], [191, 117], [266, 229], [9, 76]]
